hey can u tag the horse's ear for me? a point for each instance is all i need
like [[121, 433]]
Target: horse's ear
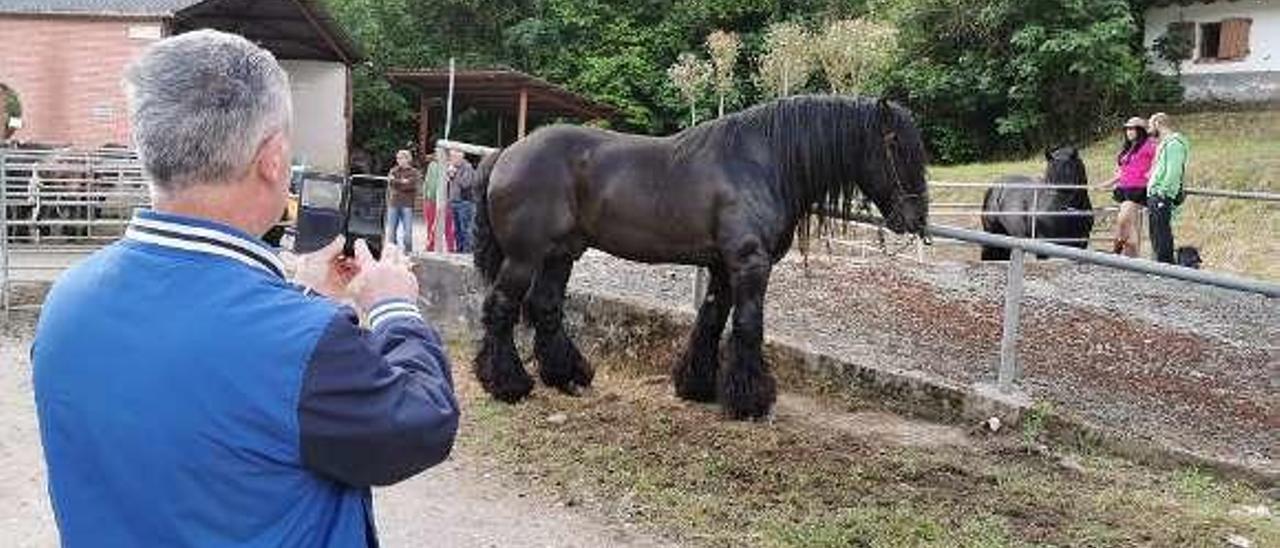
[[1048, 154]]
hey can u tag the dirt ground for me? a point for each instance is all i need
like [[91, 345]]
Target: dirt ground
[[463, 502]]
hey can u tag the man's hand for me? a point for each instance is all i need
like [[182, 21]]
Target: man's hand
[[380, 280], [326, 271]]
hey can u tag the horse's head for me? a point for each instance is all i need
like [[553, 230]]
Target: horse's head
[[1064, 167], [896, 169]]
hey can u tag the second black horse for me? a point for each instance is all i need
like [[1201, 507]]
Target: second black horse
[[1060, 212]]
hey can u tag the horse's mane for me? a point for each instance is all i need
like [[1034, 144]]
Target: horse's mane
[[821, 146]]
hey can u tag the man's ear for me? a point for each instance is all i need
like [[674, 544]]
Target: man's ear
[[272, 161]]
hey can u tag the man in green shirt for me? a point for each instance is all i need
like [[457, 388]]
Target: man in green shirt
[[1164, 185]]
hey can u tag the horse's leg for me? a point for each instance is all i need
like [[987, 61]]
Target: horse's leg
[[694, 374], [747, 388], [497, 366], [560, 364]]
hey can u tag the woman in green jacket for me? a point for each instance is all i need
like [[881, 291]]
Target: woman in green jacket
[[1164, 185]]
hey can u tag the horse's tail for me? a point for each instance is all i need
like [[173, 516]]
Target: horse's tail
[[488, 254]]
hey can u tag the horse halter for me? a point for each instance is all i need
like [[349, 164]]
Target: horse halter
[[890, 138]]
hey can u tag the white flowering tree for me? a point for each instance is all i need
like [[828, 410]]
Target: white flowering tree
[[723, 47], [850, 51], [690, 75], [787, 62]]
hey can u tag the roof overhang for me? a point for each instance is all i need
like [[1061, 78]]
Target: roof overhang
[[500, 90]]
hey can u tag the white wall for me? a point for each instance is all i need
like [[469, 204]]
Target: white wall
[[1264, 34], [319, 91]]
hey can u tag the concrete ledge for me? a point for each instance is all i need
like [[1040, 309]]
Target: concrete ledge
[[452, 295]]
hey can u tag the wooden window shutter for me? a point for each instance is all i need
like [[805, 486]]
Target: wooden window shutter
[[1234, 42]]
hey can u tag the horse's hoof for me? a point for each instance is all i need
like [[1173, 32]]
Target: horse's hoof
[[510, 389], [506, 381], [747, 393], [748, 411], [562, 366], [698, 390], [694, 375]]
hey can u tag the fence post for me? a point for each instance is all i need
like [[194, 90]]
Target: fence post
[[699, 287], [1035, 211], [1008, 371], [4, 233]]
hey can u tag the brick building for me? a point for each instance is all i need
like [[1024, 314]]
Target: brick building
[[64, 59]]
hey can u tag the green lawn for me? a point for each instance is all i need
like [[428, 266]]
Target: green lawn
[[1229, 150]]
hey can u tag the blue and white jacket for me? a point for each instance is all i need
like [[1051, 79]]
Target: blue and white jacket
[[188, 395]]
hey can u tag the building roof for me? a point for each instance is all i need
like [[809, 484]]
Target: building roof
[[499, 89], [158, 8], [291, 29]]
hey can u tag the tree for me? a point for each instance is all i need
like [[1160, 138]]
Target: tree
[[723, 48], [787, 61], [690, 75], [1001, 77], [852, 51]]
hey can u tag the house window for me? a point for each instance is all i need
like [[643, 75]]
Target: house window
[[1226, 40], [1210, 40]]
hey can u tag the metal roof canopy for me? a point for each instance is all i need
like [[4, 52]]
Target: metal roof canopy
[[290, 29], [503, 90]]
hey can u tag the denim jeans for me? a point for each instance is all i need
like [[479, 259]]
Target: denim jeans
[[462, 212], [400, 223]]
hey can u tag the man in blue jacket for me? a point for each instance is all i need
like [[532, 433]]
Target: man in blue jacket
[[188, 394]]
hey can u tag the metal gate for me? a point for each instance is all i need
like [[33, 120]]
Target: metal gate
[[60, 205]]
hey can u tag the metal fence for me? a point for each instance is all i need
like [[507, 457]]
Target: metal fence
[[955, 211], [1008, 370], [59, 204]]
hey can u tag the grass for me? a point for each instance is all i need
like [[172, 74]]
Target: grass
[[1229, 150], [632, 452]]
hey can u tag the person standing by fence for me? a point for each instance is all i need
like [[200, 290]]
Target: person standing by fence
[[1130, 185], [404, 192], [1164, 187], [460, 177], [431, 191]]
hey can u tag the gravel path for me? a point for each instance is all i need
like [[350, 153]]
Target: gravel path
[[460, 503], [1195, 366]]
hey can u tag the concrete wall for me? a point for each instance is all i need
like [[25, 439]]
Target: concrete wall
[[1254, 78], [319, 105], [66, 72], [619, 328]]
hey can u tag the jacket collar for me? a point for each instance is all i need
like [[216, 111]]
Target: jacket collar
[[203, 236]]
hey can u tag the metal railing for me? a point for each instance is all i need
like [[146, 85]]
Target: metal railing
[[1007, 371], [58, 203]]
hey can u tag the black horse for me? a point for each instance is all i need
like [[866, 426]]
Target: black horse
[[728, 195], [1070, 221]]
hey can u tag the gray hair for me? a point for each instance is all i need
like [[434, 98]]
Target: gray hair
[[201, 103]]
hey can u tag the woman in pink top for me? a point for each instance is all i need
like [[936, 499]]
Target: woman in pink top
[[1130, 184]]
